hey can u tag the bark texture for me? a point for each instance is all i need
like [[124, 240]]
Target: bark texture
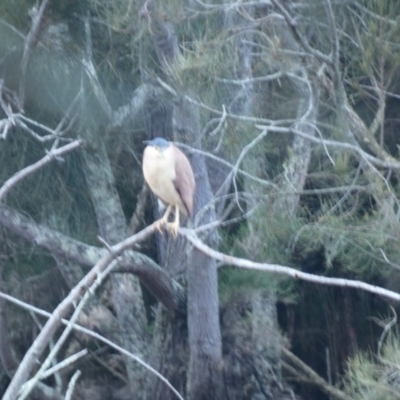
[[204, 379], [112, 227]]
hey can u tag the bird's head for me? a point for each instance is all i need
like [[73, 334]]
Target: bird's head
[[160, 144]]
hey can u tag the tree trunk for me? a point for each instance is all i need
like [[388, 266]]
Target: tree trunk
[[204, 380], [125, 288]]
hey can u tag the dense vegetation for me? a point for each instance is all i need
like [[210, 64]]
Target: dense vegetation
[[288, 111]]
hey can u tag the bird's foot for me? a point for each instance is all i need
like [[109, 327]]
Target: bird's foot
[[173, 227], [159, 224]]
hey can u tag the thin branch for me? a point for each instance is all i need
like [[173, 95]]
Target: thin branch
[[71, 385], [11, 182], [385, 19], [387, 329], [52, 133], [30, 43], [313, 376], [91, 334], [243, 153], [164, 289], [7, 123], [57, 377], [12, 28], [392, 264], [63, 308], [220, 125], [92, 74], [58, 367], [67, 116], [343, 145], [280, 269], [265, 78], [226, 163], [172, 91], [41, 374], [334, 43], [138, 215], [339, 203], [292, 24]]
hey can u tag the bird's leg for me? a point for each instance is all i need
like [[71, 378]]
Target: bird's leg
[[162, 221], [174, 226]]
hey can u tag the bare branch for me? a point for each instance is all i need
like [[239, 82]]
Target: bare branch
[[163, 288], [30, 44], [385, 19], [299, 37], [63, 364], [243, 153], [63, 308], [41, 374], [71, 385], [280, 269], [313, 376], [265, 78], [334, 42], [12, 28], [138, 215], [7, 123], [226, 163], [238, 117], [11, 182], [91, 334], [57, 377], [387, 329], [367, 157], [92, 74]]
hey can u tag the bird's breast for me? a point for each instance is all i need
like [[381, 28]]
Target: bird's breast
[[157, 166], [159, 172]]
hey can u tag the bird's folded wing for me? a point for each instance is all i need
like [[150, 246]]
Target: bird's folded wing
[[184, 181]]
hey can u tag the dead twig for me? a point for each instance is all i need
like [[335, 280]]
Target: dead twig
[[71, 385], [91, 334], [51, 155], [30, 44], [38, 346], [305, 373]]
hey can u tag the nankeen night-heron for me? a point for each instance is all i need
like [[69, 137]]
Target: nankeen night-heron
[[170, 176]]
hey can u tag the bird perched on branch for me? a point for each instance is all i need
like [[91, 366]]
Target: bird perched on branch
[[170, 176]]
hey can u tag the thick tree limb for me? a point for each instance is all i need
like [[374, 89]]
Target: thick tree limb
[[63, 308], [28, 386], [89, 333], [162, 287]]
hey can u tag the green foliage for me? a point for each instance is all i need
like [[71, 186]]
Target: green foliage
[[234, 280], [370, 51], [265, 240], [371, 378], [352, 234], [56, 195], [15, 12]]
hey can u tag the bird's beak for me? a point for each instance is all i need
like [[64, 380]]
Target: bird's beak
[[146, 141]]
